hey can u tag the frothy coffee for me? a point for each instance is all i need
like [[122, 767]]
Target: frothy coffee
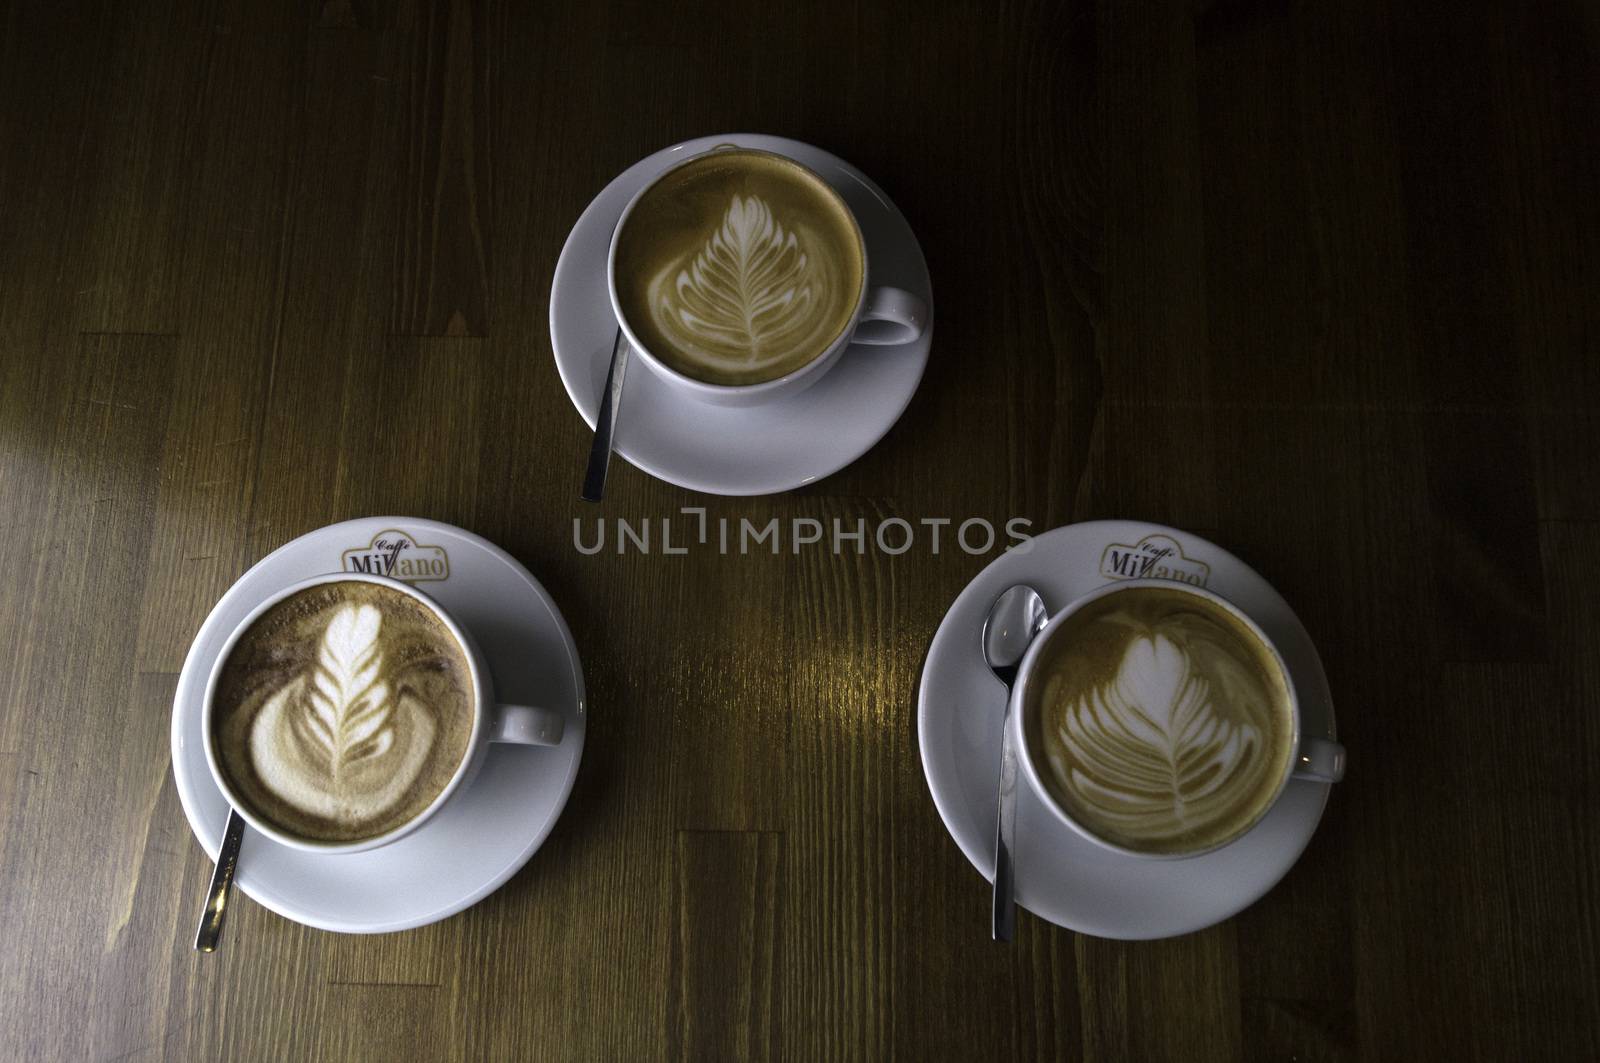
[[739, 267], [343, 711], [1165, 723]]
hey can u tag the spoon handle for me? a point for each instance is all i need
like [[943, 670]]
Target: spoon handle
[[205, 940], [1005, 907], [594, 478]]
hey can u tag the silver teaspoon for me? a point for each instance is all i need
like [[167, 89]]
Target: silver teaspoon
[[605, 420], [206, 938], [1014, 619]]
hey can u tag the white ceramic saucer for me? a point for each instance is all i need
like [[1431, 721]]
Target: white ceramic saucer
[[1059, 875], [779, 445], [486, 832]]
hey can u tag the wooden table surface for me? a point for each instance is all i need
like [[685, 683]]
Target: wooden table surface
[[1317, 281]]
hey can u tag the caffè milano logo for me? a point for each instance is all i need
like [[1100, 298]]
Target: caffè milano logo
[[1153, 557], [395, 554]]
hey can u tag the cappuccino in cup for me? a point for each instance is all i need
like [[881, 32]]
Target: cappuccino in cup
[[739, 267], [1158, 719], [342, 712], [740, 276], [347, 709]]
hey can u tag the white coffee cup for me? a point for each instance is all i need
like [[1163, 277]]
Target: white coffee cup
[[491, 721], [1314, 758], [884, 316]]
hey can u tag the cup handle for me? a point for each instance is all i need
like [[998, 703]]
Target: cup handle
[[892, 316], [1319, 759], [526, 725]]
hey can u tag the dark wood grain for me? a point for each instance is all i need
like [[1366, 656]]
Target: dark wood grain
[[1314, 280]]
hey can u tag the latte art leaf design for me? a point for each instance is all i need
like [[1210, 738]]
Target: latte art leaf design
[[344, 712], [329, 743], [749, 293], [1152, 752]]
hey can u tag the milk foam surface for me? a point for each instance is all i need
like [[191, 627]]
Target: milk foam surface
[[738, 268], [1164, 721], [343, 711]]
